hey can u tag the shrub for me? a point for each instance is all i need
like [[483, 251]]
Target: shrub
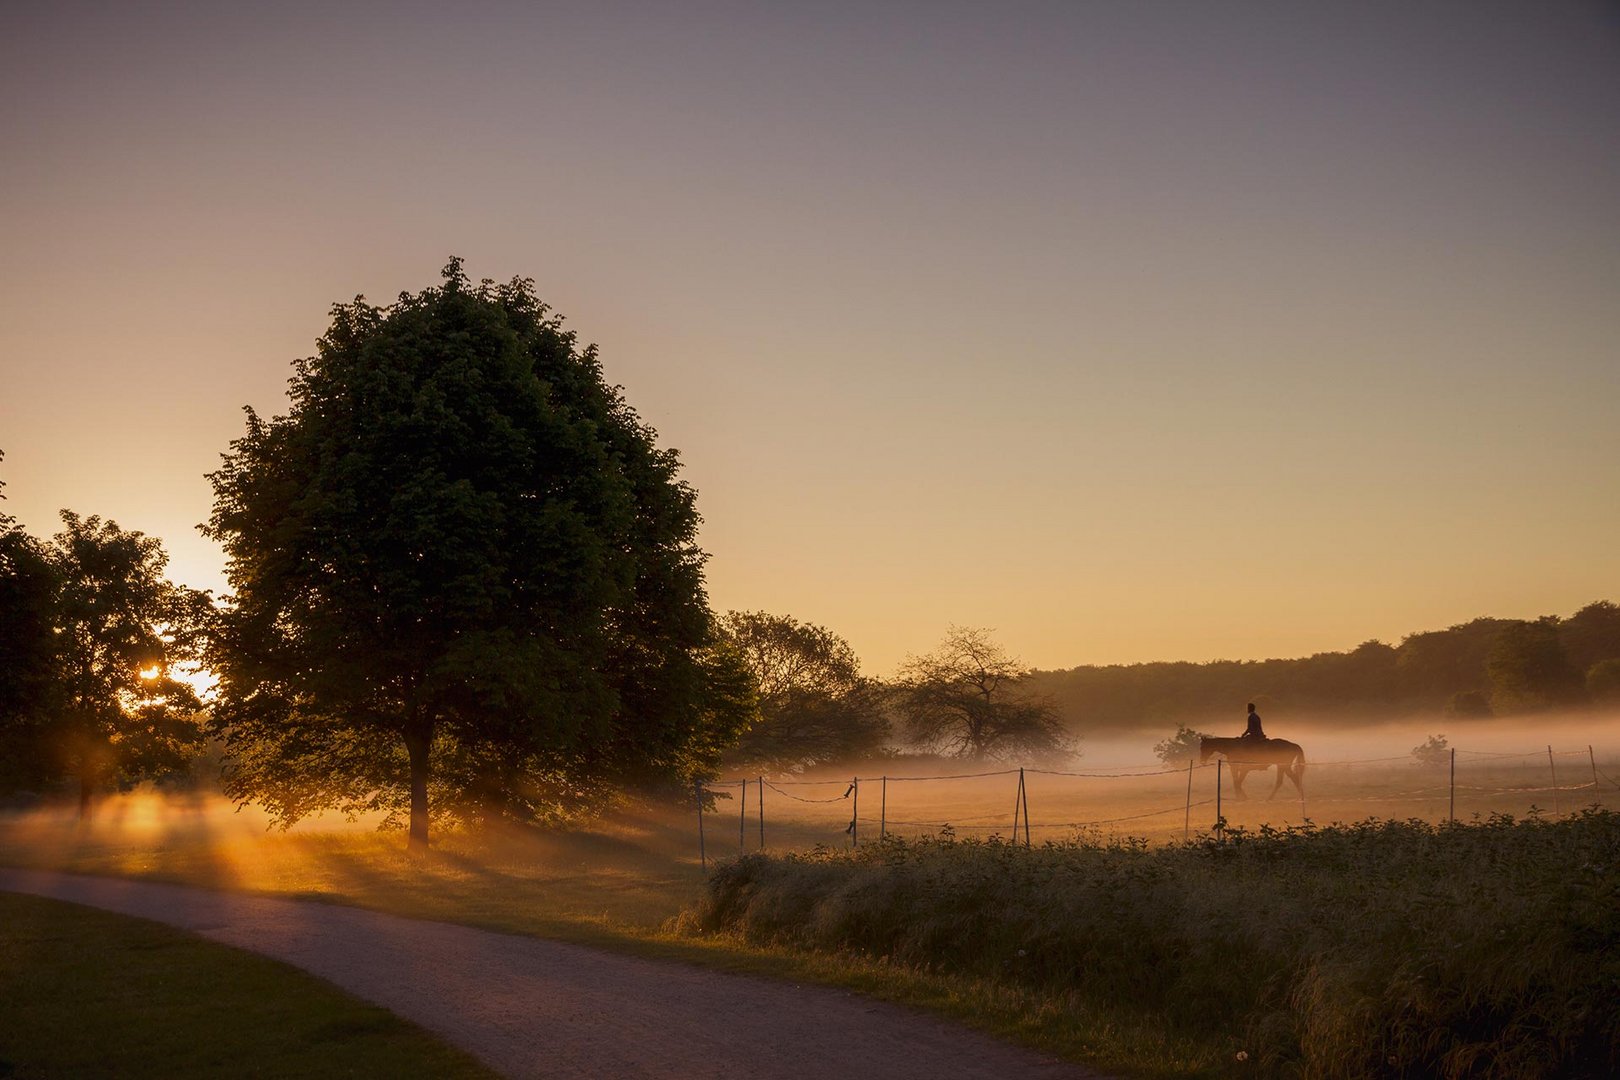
[[1369, 950], [1434, 753], [1181, 747]]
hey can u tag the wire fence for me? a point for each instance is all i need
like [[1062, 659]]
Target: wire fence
[[1154, 802]]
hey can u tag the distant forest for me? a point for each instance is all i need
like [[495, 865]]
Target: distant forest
[[1477, 669]]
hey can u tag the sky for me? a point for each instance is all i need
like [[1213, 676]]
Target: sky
[[1132, 331]]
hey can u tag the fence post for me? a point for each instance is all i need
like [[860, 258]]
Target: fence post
[[883, 807], [1018, 803], [1597, 800], [1219, 829], [1556, 811], [1186, 818], [1026, 809], [1451, 814], [742, 818], [855, 814], [762, 813], [703, 855]]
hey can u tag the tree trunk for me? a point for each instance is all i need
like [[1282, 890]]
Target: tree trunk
[[86, 791], [417, 743]]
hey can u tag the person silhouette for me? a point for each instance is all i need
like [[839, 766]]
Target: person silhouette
[[1254, 730]]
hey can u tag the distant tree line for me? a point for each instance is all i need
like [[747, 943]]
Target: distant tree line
[[1479, 668]]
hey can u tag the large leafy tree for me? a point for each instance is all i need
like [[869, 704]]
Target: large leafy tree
[[814, 704], [465, 576], [971, 698]]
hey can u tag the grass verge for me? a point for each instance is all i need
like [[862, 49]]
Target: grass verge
[[91, 994]]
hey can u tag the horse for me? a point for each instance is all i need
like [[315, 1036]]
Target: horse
[[1247, 755]]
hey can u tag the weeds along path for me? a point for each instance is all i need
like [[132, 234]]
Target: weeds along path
[[534, 1008]]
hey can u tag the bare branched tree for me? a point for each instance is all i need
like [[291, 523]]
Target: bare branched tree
[[969, 698]]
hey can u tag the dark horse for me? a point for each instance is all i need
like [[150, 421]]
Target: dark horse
[[1247, 755]]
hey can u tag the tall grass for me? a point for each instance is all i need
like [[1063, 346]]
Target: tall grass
[[1382, 949]]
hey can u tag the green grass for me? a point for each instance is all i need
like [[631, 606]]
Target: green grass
[[91, 994], [1389, 949]]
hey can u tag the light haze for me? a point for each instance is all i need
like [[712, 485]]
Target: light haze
[[1134, 331]]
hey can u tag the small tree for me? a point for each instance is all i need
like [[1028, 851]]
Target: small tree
[[814, 704], [968, 698], [1433, 753], [1181, 747], [121, 712]]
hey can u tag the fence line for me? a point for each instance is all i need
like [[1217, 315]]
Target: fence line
[[1449, 791]]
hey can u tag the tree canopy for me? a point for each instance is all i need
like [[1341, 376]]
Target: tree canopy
[[28, 590], [970, 698], [91, 633], [815, 707], [461, 565], [1431, 672]]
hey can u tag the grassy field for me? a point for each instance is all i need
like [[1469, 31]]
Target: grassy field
[[90, 994]]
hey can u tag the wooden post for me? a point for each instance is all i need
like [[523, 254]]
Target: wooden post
[[1596, 799], [1026, 807], [1554, 768], [1018, 803], [1186, 818], [1452, 814], [762, 813], [703, 856], [742, 818], [855, 814], [1218, 829], [883, 807]]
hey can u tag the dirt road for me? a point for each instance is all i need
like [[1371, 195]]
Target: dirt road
[[534, 1008]]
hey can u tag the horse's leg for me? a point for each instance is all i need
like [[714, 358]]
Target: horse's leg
[[1282, 771], [1238, 773], [1296, 772]]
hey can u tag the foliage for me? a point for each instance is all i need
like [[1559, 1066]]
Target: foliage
[[815, 707], [462, 569], [107, 704], [28, 591], [1435, 751], [1591, 635], [1603, 680], [1181, 747], [969, 698], [1529, 669], [1370, 950], [1423, 674], [1469, 705]]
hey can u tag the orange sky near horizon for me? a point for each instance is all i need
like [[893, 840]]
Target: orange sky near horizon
[[1133, 332]]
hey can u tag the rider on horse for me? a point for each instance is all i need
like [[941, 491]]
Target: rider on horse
[[1254, 730]]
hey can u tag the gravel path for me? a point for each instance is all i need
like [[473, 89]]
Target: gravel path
[[534, 1008]]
